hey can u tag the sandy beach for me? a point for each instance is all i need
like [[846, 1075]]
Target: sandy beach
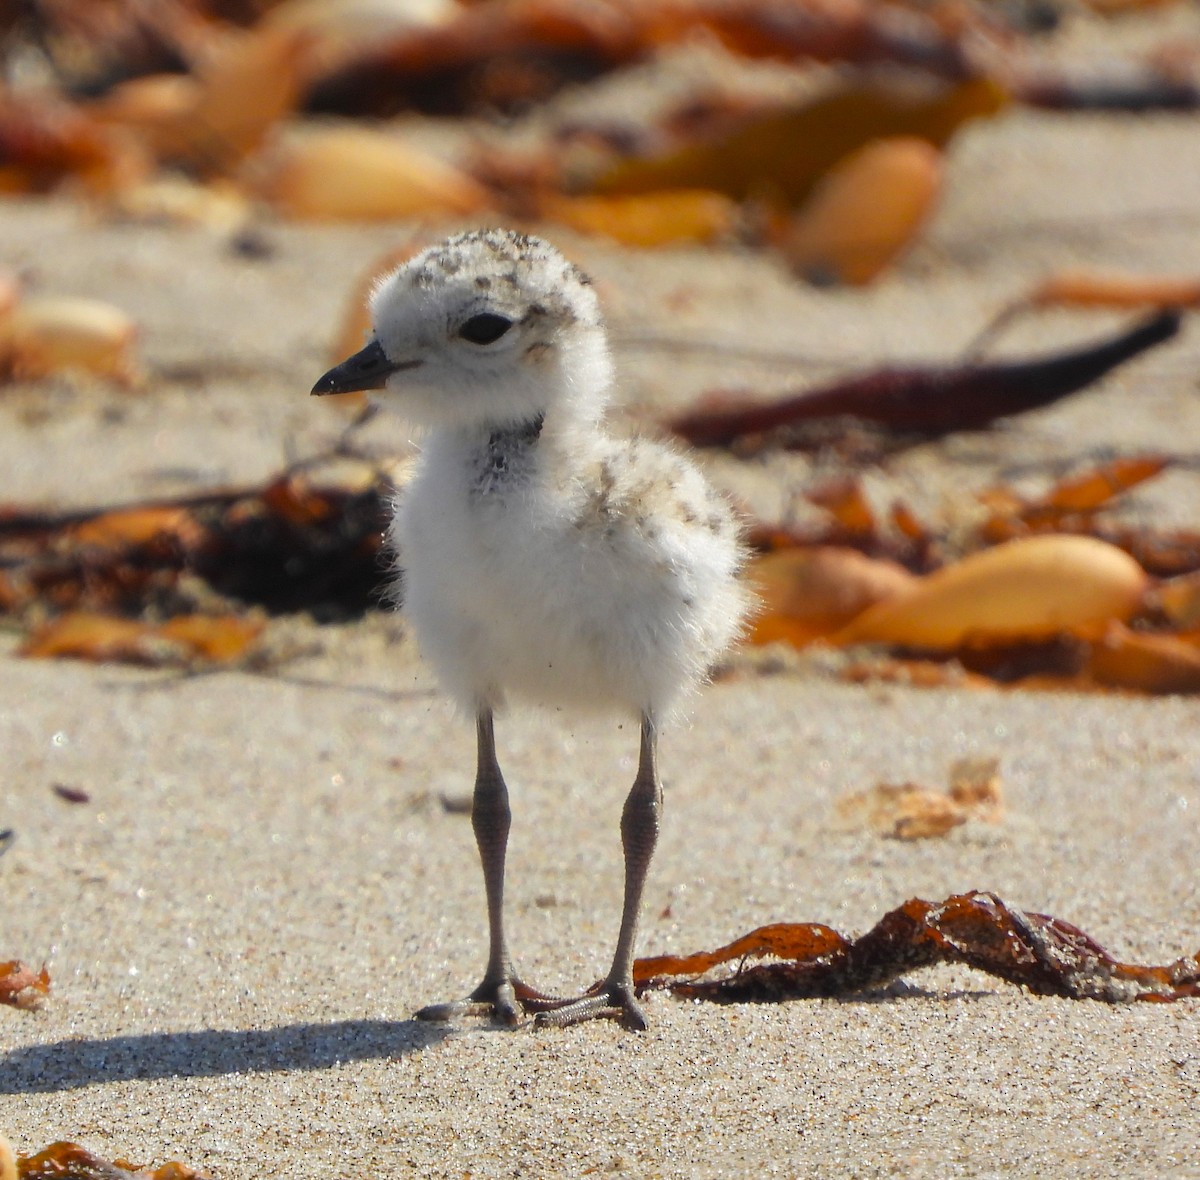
[[266, 880]]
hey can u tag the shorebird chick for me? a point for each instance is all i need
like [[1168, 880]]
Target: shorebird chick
[[542, 558]]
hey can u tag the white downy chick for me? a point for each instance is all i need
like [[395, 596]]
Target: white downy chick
[[542, 558]]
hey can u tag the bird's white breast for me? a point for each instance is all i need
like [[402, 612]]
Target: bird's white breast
[[604, 577]]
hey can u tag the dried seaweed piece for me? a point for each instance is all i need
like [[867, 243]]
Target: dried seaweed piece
[[21, 986], [1178, 599], [812, 591], [1148, 90], [904, 811], [1028, 589], [1075, 497], [865, 211], [89, 45], [492, 56], [931, 400], [1118, 290], [1160, 553], [1096, 487], [184, 640], [70, 1161], [661, 218], [1139, 662], [293, 544], [781, 155], [1073, 506], [845, 499], [297, 545], [913, 673], [70, 794], [45, 141], [1048, 956], [342, 172], [908, 811], [849, 30], [43, 336], [1115, 289], [1119, 659]]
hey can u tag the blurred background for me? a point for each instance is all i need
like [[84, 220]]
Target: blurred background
[[915, 276]]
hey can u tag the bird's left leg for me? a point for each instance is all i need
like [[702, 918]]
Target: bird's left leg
[[640, 820]]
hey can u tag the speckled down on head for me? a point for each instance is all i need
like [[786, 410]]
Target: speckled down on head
[[544, 558], [420, 309], [504, 264]]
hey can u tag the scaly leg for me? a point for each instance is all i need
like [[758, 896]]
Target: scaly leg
[[639, 834], [501, 993]]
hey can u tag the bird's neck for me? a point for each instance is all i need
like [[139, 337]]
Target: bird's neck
[[512, 436], [511, 453], [502, 457]]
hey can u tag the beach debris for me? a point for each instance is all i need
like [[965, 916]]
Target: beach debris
[[781, 154], [350, 173], [664, 217], [21, 986], [7, 836], [182, 641], [1096, 290], [814, 591], [1136, 661], [908, 811], [44, 335], [198, 111], [240, 84], [1179, 600], [191, 568], [483, 57], [1073, 505], [1047, 594], [71, 1161], [928, 400], [70, 794], [47, 141], [1115, 289], [864, 212], [1071, 499], [505, 57], [140, 106], [1024, 589], [1138, 88], [1120, 613], [1046, 955]]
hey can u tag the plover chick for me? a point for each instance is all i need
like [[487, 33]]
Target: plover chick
[[542, 558]]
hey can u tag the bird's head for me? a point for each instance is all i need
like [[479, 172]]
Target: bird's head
[[489, 328]]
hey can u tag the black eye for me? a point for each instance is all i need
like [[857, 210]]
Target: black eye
[[485, 328]]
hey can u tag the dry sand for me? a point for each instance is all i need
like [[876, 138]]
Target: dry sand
[[265, 884]]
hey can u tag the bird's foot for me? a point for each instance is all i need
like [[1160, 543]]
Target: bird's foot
[[615, 1000], [507, 1000]]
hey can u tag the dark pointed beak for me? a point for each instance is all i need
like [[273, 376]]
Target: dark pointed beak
[[367, 369]]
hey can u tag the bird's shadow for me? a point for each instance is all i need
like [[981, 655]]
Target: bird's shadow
[[72, 1063]]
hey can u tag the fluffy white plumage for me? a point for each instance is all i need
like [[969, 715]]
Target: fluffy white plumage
[[566, 568], [542, 557]]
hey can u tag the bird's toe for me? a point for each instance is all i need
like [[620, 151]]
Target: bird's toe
[[615, 1001], [507, 1001]]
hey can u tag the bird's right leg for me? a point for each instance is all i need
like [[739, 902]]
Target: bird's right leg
[[500, 991]]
